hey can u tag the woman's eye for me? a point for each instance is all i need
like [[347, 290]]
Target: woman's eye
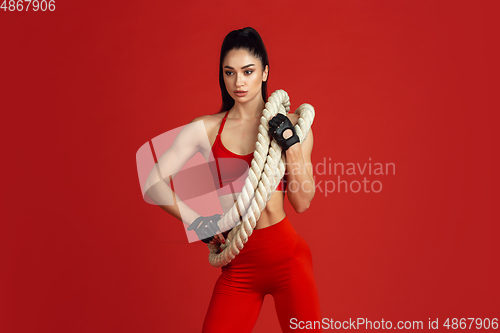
[[248, 72], [229, 73]]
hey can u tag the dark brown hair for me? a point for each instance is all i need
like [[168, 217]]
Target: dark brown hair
[[247, 39]]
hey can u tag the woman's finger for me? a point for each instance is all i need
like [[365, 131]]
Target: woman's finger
[[220, 238]]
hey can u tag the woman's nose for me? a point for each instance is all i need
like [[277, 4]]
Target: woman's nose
[[239, 80]]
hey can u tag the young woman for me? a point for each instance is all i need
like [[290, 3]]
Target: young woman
[[275, 260]]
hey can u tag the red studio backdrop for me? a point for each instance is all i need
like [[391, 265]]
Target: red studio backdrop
[[407, 85]]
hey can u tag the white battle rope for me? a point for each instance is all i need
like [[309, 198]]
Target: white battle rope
[[266, 170]]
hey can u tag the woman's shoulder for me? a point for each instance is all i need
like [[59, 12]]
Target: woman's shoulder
[[213, 119], [211, 122], [294, 118]]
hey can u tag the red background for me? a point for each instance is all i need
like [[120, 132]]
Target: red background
[[406, 82]]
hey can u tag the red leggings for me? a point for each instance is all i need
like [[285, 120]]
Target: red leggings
[[277, 261]]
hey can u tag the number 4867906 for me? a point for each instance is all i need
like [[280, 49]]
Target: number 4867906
[[25, 5]]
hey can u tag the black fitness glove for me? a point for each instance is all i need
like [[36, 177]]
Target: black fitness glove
[[205, 227], [277, 126]]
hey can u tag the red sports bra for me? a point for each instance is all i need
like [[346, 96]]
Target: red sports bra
[[232, 169]]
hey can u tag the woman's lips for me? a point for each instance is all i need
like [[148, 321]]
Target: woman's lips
[[240, 93]]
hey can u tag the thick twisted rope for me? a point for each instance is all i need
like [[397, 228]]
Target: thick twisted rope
[[266, 170]]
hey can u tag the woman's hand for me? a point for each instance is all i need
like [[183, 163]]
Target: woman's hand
[[218, 239], [281, 128], [206, 228]]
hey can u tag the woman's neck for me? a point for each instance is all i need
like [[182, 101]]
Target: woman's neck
[[249, 110]]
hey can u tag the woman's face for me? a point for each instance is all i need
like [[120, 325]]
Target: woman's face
[[243, 75]]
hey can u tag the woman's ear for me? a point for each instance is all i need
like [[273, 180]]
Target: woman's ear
[[264, 76]]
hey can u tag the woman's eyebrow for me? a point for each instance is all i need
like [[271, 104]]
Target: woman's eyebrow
[[249, 65]]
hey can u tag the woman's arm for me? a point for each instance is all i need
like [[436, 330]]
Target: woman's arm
[[159, 191], [300, 181], [187, 143]]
